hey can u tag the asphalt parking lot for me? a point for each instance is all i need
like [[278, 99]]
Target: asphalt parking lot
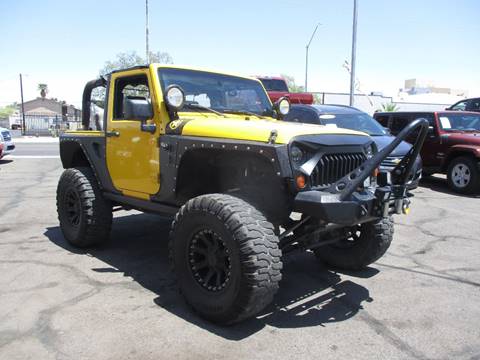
[[420, 301]]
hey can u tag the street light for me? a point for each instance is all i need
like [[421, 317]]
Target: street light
[[147, 50], [23, 108], [306, 55], [354, 50]]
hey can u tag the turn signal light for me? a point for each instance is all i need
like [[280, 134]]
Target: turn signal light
[[375, 172], [300, 181]]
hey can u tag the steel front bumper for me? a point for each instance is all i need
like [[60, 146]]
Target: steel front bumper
[[360, 207], [349, 202]]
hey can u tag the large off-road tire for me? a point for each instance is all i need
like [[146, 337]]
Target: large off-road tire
[[85, 215], [463, 175], [365, 245], [225, 257]]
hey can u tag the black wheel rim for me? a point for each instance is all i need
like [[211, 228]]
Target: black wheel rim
[[72, 207], [352, 238], [209, 260]]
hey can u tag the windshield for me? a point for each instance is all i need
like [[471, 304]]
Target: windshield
[[219, 92], [459, 122], [360, 122], [274, 85]]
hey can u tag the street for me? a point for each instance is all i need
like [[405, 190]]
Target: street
[[35, 150], [420, 301]]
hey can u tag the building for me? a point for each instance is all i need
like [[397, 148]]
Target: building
[[42, 116], [416, 87], [51, 108]]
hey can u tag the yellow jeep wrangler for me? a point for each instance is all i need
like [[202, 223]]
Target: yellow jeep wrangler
[[244, 187]]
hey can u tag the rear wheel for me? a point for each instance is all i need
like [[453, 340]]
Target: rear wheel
[[463, 175], [85, 216], [363, 245], [225, 257]]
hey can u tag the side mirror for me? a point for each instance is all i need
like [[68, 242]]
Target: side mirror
[[282, 107], [137, 108]]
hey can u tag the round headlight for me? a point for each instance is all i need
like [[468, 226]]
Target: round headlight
[[175, 97], [283, 106], [296, 154]]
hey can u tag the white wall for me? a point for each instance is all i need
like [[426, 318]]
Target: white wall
[[371, 103]]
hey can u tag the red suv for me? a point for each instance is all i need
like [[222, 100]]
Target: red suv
[[452, 145]]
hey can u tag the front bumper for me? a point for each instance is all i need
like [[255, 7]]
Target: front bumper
[[350, 201], [8, 148], [360, 207]]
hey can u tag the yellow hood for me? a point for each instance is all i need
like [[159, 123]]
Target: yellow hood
[[253, 129]]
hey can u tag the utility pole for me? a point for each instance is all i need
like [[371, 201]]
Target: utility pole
[[146, 32], [23, 109], [306, 55], [354, 50]]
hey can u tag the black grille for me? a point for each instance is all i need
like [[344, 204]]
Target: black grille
[[333, 167], [6, 136]]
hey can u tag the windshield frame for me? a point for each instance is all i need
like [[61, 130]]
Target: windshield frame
[[262, 98]]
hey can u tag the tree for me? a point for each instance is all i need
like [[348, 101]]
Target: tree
[[8, 110], [388, 107], [43, 88], [131, 58], [123, 61], [292, 86]]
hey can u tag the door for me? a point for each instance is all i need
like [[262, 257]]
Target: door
[[132, 152], [431, 146], [398, 122]]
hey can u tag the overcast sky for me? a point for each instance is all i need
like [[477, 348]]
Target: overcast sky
[[65, 43]]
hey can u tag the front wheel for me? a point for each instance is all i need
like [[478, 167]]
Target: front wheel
[[363, 245], [225, 257], [463, 175]]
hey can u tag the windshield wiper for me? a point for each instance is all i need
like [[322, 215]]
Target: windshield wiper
[[243, 112], [201, 107]]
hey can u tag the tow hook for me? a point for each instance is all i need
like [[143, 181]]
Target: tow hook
[[406, 206], [402, 206]]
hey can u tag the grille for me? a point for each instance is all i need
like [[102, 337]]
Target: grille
[[333, 167], [6, 136], [391, 161]]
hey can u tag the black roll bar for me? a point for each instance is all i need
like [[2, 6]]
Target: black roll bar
[[350, 182], [86, 100]]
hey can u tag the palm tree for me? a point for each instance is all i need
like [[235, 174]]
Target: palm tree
[[388, 107], [43, 88]]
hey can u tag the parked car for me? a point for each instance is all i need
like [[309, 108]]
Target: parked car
[[8, 144], [466, 105], [277, 88], [352, 118], [452, 146], [1, 147]]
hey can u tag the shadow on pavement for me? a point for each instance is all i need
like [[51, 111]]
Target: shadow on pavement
[[440, 185], [309, 295], [5, 161]]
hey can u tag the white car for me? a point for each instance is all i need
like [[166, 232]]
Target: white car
[[6, 140]]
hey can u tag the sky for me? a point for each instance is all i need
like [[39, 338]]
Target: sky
[[65, 43]]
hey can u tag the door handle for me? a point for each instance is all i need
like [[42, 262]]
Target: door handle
[[150, 128], [113, 133]]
